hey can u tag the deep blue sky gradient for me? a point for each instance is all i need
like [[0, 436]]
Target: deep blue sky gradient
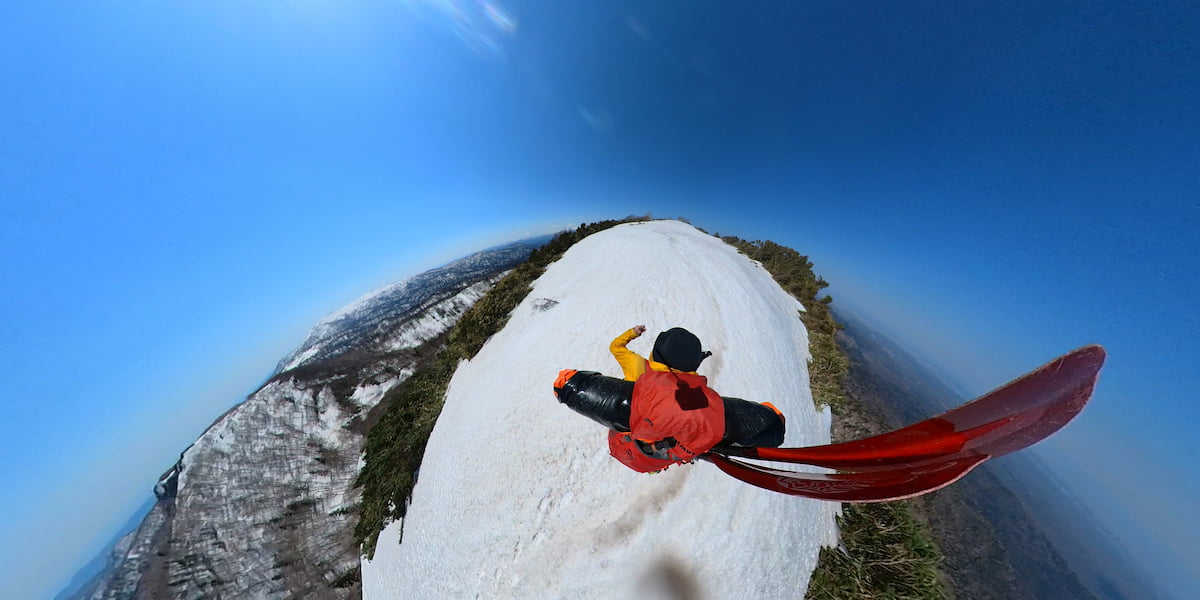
[[185, 188]]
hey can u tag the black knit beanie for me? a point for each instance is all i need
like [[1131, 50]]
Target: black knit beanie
[[679, 349]]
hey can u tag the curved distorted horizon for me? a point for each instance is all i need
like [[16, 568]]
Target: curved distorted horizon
[[188, 189]]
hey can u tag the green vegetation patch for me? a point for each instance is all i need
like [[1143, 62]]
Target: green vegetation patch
[[350, 578], [888, 554], [794, 273], [396, 443]]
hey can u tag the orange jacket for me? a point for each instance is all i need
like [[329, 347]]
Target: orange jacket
[[633, 365]]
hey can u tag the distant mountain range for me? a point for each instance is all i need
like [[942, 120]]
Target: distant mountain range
[[263, 504], [85, 580], [1009, 529], [381, 321]]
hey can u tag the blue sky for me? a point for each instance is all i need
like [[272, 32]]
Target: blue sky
[[185, 188]]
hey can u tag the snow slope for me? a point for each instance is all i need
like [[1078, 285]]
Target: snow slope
[[517, 496]]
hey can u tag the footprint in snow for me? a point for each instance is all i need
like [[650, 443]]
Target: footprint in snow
[[544, 304]]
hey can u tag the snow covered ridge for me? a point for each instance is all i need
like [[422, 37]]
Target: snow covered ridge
[[380, 310], [262, 505], [543, 511]]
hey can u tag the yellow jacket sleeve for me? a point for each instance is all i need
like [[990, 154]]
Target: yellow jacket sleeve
[[632, 363]]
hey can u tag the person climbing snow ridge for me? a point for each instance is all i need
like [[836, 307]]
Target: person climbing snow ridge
[[668, 415]]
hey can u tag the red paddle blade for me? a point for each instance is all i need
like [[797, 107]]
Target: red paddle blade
[[878, 486], [1008, 419]]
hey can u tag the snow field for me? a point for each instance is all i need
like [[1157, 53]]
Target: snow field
[[517, 496]]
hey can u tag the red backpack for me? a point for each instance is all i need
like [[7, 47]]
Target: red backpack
[[675, 407]]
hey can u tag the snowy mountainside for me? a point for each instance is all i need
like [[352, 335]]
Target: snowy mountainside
[[517, 496], [360, 322], [262, 505]]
